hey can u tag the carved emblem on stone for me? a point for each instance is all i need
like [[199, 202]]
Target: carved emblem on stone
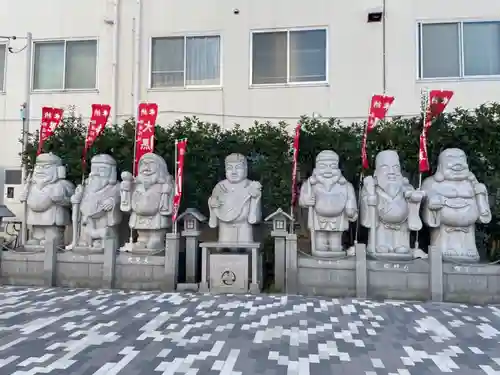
[[96, 207], [47, 195], [235, 203], [149, 199], [455, 202], [390, 209], [331, 203]]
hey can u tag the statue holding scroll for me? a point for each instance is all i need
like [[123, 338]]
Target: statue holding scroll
[[96, 207], [149, 199], [331, 202], [47, 195], [390, 209], [455, 202], [235, 203]]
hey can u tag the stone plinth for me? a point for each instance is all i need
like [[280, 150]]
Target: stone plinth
[[476, 283], [326, 277], [228, 273], [404, 280], [22, 268], [251, 249], [78, 270], [139, 272]]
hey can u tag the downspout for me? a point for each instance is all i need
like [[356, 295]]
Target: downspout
[[116, 54], [384, 49], [137, 58]]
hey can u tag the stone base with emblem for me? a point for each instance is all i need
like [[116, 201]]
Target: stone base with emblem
[[231, 272]]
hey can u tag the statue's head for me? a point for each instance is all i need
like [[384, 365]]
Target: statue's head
[[152, 170], [327, 166], [102, 172], [452, 166], [388, 168], [236, 168], [48, 169]]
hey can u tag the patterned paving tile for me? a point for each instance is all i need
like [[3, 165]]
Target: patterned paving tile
[[85, 332]]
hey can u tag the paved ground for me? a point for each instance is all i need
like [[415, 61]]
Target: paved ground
[[80, 332]]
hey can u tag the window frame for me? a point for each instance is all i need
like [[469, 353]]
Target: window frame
[[3, 89], [185, 36], [64, 41], [461, 77], [287, 30]]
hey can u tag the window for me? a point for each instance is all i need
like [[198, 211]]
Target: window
[[185, 61], [65, 65], [293, 56], [459, 49], [3, 55]]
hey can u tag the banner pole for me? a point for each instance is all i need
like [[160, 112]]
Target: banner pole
[[174, 224]]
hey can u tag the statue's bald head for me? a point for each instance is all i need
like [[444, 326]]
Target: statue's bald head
[[452, 165]]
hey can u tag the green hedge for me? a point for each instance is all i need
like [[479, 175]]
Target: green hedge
[[268, 147]]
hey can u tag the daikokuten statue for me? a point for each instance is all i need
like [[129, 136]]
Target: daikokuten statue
[[47, 195], [455, 202], [149, 198], [390, 209], [331, 202], [96, 207], [235, 203]]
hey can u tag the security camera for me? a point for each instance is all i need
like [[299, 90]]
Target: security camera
[[236, 11]]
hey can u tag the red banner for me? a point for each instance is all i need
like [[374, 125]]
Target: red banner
[[51, 118], [145, 131], [378, 110], [436, 103], [98, 121], [181, 151], [295, 160]]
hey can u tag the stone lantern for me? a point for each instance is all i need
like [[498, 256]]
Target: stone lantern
[[191, 219]]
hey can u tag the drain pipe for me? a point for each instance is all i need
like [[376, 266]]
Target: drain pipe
[[137, 58], [116, 55]]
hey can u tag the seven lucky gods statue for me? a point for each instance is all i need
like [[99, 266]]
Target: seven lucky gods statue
[[455, 202], [331, 202], [235, 203], [96, 207], [390, 209], [47, 195], [149, 199]]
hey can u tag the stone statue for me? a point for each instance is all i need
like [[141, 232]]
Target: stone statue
[[390, 208], [455, 202], [96, 206], [331, 202], [149, 198], [235, 203], [47, 195]]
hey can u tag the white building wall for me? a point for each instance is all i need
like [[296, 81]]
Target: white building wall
[[355, 58]]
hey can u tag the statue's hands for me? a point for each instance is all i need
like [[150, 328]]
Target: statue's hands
[[58, 195], [255, 189], [436, 202], [371, 200], [76, 198], [107, 205], [127, 181], [415, 196], [23, 196], [351, 212], [310, 201], [214, 202]]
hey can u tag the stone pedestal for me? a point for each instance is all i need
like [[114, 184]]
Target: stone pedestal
[[279, 259], [49, 262], [214, 261], [361, 274], [109, 263], [171, 261], [436, 274], [291, 279]]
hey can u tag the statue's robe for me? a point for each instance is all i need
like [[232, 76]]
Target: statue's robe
[[42, 210], [151, 207], [238, 212]]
